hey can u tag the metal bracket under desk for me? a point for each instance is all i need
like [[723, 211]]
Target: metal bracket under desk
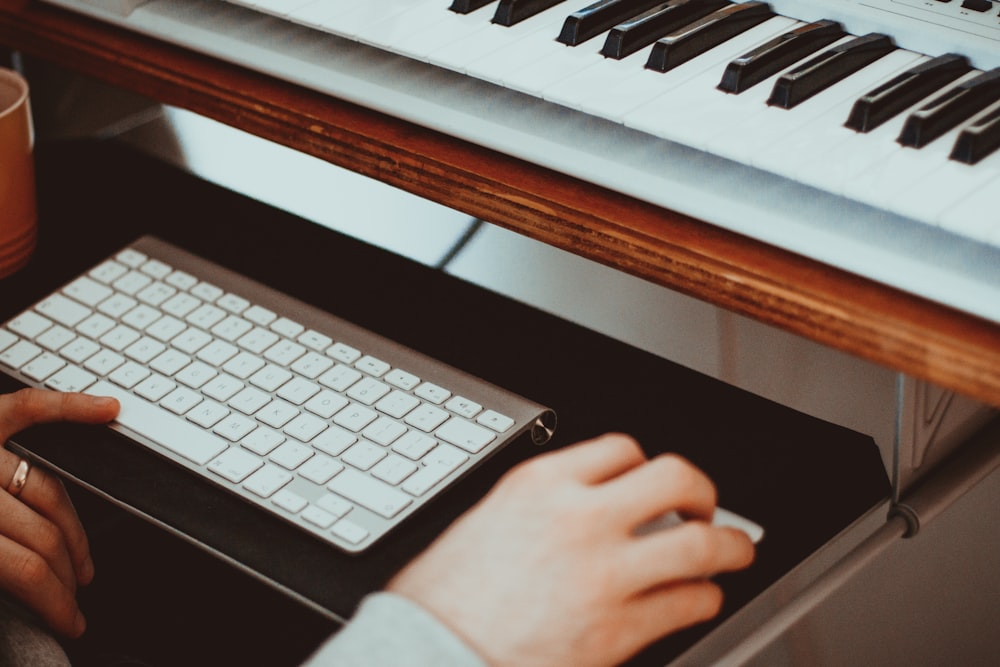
[[931, 424]]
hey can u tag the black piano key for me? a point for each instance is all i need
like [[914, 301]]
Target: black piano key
[[978, 140], [598, 17], [706, 33], [770, 58], [977, 5], [904, 90], [468, 6], [828, 68], [951, 108], [510, 12], [639, 32]]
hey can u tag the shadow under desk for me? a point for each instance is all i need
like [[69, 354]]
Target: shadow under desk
[[190, 575]]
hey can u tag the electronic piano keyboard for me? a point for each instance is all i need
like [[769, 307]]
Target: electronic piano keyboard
[[861, 133]]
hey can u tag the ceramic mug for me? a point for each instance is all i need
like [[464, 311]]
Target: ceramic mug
[[18, 212]]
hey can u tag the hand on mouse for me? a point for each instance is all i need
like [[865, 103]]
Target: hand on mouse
[[548, 570]]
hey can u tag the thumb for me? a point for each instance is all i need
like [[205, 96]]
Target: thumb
[[28, 407]]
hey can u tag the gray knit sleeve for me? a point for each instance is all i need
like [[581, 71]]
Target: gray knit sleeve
[[390, 631]]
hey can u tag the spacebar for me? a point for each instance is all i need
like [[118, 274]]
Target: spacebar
[[153, 422]]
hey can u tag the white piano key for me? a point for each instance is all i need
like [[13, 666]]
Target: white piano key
[[545, 26], [883, 185], [614, 96], [323, 14], [454, 28], [745, 140], [949, 182], [974, 215], [532, 45], [850, 153], [701, 113], [275, 7], [602, 74], [671, 116], [553, 62], [391, 31]]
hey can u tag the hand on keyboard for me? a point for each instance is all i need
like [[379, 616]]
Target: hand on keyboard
[[552, 552], [44, 553]]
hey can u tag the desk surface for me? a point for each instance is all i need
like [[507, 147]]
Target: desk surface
[[917, 337], [804, 479]]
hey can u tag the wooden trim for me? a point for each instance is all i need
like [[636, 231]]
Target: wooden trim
[[929, 341]]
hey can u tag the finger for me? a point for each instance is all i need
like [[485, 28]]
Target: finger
[[36, 533], [666, 483], [46, 495], [28, 577], [31, 406], [666, 610], [690, 551], [595, 461]]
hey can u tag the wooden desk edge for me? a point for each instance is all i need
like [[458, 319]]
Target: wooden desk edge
[[912, 335]]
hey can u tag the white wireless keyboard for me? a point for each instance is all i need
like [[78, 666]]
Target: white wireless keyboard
[[327, 425]]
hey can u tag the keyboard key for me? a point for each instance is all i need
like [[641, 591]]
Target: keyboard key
[[363, 455], [339, 378], [441, 462], [355, 417], [433, 393], [370, 493], [372, 366], [496, 421], [42, 366], [320, 468], [289, 501], [277, 413], [318, 517], [262, 441], [54, 338], [291, 455], [88, 291], [131, 258], [71, 378], [29, 324], [305, 427], [129, 374], [235, 464], [63, 310], [267, 480], [394, 469], [414, 445], [286, 327], [426, 418], [155, 387], [349, 531], [468, 436], [234, 427]]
